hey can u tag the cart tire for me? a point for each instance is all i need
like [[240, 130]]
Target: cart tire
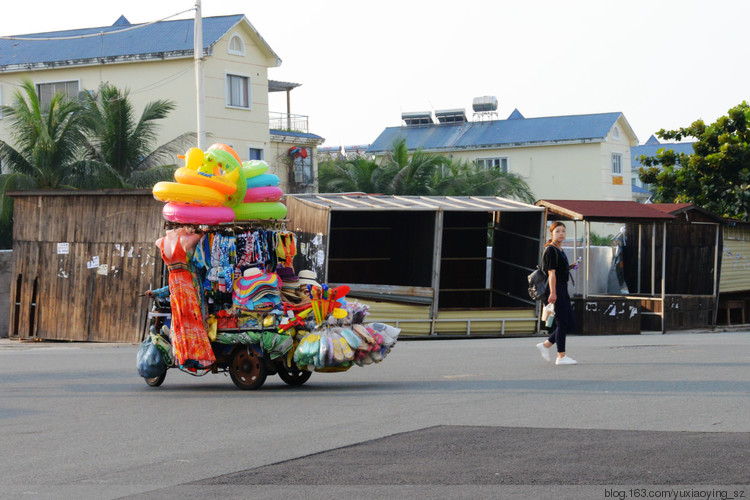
[[293, 375], [156, 381], [247, 369]]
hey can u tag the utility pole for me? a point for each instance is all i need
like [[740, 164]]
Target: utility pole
[[200, 92]]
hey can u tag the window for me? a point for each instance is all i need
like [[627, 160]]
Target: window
[[255, 154], [616, 133], [500, 163], [238, 91], [303, 166], [236, 46], [617, 163], [47, 90]]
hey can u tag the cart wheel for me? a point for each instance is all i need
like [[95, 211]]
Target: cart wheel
[[156, 381], [293, 375], [247, 370]]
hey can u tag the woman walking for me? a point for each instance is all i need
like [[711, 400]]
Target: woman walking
[[558, 269]]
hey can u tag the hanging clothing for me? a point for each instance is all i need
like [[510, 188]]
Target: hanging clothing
[[189, 338]]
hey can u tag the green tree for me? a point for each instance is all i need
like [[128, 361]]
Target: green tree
[[415, 175], [121, 147], [467, 179], [419, 174], [353, 175], [716, 176], [47, 142]]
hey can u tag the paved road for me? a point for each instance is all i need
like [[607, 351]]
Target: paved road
[[650, 416]]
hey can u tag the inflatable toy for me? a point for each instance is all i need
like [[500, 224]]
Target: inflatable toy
[[225, 184], [188, 194], [228, 149], [263, 210], [267, 193], [192, 214], [193, 158], [223, 160], [263, 180], [254, 167]]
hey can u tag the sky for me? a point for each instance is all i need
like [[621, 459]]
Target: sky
[[662, 63]]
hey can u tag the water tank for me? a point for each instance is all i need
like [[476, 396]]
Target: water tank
[[484, 104]]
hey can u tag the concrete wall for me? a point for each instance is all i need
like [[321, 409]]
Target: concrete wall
[[6, 268]]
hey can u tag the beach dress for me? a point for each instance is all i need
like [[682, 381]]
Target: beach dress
[[192, 348]]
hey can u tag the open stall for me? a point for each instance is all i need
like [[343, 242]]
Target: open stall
[[435, 265], [662, 274]]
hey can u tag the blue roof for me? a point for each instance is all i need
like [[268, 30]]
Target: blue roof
[[496, 133], [302, 135], [165, 38], [639, 189], [650, 149]]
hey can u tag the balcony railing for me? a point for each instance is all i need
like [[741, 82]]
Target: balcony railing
[[288, 122]]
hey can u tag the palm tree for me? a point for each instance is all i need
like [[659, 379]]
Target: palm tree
[[121, 147], [353, 175], [467, 179], [417, 175], [47, 142]]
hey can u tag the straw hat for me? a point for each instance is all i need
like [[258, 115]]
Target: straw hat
[[308, 277]]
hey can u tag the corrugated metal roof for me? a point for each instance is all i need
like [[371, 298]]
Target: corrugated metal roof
[[171, 37], [289, 133], [497, 133], [603, 211], [650, 149], [679, 208], [370, 202]]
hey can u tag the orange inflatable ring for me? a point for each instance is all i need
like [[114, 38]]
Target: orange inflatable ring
[[225, 184]]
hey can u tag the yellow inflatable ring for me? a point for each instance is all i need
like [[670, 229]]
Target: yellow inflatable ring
[[188, 194], [220, 183]]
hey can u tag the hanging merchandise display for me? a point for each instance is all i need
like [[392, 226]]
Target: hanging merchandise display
[[234, 302]]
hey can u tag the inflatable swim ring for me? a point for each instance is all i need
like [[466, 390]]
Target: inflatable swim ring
[[187, 194], [227, 148], [218, 158], [267, 193], [225, 184], [263, 180], [263, 210], [254, 167], [192, 214]]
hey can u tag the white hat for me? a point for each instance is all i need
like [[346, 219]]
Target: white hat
[[307, 277]]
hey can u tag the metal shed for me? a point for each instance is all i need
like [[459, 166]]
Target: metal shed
[[671, 260], [436, 265]]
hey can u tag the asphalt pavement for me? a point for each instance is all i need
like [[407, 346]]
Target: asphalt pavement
[[644, 416]]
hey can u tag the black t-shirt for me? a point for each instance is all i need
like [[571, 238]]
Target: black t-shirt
[[552, 258]]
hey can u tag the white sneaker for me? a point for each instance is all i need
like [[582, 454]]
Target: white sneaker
[[566, 360], [544, 351]]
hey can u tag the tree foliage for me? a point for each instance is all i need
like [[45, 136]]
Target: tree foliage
[[122, 147], [88, 143], [716, 176], [420, 174]]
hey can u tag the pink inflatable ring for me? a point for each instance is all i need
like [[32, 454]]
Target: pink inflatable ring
[[192, 214], [267, 193]]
